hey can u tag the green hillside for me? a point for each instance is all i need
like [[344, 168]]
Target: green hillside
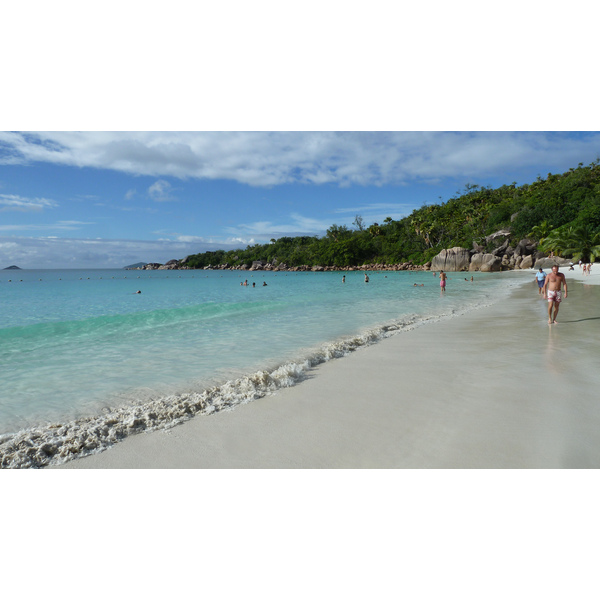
[[561, 212]]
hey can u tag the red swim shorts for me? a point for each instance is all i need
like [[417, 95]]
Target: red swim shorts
[[554, 296]]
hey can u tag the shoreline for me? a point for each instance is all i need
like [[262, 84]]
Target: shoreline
[[494, 388]]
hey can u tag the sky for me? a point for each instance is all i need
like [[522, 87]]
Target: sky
[[110, 199]]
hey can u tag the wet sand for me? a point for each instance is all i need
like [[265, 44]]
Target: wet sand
[[495, 388]]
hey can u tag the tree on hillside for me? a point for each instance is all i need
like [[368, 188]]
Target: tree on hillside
[[375, 229], [359, 223], [540, 232], [557, 240], [337, 232], [583, 243]]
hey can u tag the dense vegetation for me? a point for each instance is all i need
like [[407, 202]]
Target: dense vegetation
[[560, 212]]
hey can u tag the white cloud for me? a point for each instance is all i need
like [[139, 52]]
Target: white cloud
[[160, 190], [76, 223], [316, 158], [190, 238], [239, 242], [265, 230], [60, 226], [12, 202]]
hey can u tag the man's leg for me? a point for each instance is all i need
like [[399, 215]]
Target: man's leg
[[556, 306], [550, 303]]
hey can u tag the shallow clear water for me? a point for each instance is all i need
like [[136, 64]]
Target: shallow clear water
[[73, 343]]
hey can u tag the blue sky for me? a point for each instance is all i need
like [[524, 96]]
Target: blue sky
[[85, 199]]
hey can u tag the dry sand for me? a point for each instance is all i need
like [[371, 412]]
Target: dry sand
[[495, 388]]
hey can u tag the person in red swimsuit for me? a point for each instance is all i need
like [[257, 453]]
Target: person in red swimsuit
[[443, 281]]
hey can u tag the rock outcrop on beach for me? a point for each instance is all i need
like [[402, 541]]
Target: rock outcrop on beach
[[484, 262], [452, 259], [503, 257], [548, 263]]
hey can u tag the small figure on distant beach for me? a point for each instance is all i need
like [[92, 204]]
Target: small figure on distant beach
[[584, 269], [366, 278], [443, 278], [552, 290], [541, 278]]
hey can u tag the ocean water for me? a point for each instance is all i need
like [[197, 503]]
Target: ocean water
[[86, 361]]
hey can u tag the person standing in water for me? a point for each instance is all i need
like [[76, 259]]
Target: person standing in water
[[366, 278], [443, 278], [552, 290]]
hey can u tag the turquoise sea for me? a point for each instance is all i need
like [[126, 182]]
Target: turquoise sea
[[85, 360]]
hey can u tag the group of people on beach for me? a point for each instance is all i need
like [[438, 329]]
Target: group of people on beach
[[550, 288]]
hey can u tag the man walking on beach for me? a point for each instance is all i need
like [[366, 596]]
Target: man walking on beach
[[552, 291], [541, 278]]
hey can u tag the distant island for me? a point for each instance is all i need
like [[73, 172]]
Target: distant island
[[136, 266], [12, 267]]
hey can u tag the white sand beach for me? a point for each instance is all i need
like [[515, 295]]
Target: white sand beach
[[494, 388]]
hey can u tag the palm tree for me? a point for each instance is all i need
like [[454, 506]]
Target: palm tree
[[583, 243], [540, 232], [375, 229], [557, 240]]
